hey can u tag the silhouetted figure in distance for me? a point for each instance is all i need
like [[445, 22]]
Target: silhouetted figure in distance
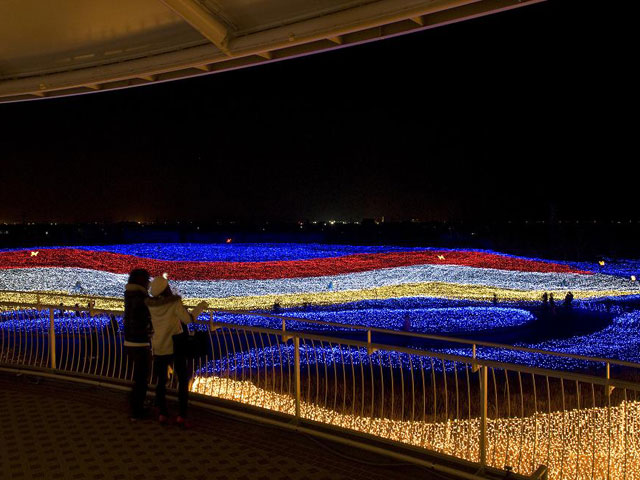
[[568, 299], [406, 324]]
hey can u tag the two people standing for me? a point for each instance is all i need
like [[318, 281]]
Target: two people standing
[[163, 316]]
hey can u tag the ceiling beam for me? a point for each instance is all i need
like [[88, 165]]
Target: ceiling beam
[[208, 24], [290, 41]]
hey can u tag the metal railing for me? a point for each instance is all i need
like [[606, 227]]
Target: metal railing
[[494, 414], [77, 302]]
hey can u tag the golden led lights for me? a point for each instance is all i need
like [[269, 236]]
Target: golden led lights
[[586, 443]]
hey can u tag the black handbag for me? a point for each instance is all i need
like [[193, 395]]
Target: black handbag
[[191, 344]]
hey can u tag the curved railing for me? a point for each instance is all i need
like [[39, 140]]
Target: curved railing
[[494, 414], [99, 304]]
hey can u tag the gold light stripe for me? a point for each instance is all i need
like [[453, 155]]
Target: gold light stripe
[[426, 289]]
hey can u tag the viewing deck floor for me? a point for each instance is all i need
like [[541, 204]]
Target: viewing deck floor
[[51, 429]]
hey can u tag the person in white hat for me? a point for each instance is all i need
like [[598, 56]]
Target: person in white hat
[[168, 315]]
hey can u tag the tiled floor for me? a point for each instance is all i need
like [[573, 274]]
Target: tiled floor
[[59, 430]]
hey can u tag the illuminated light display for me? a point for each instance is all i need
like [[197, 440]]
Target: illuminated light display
[[355, 274], [422, 290], [193, 270], [68, 321], [282, 355], [587, 442], [264, 252], [369, 292], [448, 320], [111, 284], [571, 443], [427, 289], [243, 252], [60, 298], [620, 340], [621, 267]]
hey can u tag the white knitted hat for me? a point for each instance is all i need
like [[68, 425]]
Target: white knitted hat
[[159, 285]]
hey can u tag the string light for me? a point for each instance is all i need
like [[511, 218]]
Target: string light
[[410, 284], [620, 340], [573, 444], [243, 252], [195, 270], [447, 320], [427, 290], [112, 284]]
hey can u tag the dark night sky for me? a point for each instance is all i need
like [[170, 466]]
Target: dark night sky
[[524, 114]]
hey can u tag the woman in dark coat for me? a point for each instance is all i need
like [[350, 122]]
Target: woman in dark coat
[[137, 328]]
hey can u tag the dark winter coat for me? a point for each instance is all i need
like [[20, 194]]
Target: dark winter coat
[[137, 319]]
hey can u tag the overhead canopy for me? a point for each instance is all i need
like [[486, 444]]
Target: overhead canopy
[[69, 47]]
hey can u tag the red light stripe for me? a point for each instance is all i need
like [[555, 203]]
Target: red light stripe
[[189, 270]]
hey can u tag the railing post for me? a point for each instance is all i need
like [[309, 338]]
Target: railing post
[[52, 339], [296, 356], [542, 473], [484, 371], [474, 365], [610, 388], [284, 329], [370, 349]]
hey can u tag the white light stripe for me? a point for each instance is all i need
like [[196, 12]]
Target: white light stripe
[[79, 280]]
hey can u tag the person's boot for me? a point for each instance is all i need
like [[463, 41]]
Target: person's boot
[[183, 422]]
